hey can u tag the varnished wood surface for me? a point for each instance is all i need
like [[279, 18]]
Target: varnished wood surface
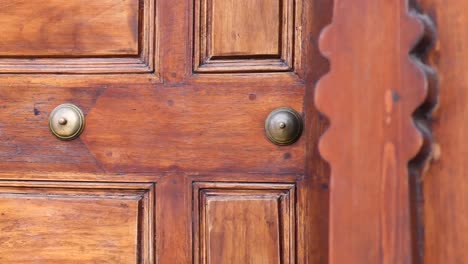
[[191, 129], [78, 37], [317, 170], [76, 222], [240, 36], [176, 129], [370, 95], [69, 28], [445, 204], [244, 223], [171, 128], [247, 25], [165, 129]]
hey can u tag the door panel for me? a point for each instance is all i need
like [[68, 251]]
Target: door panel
[[77, 36], [244, 223], [242, 27], [75, 24], [240, 36], [57, 222]]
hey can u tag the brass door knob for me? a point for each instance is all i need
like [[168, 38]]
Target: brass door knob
[[66, 121], [283, 126]]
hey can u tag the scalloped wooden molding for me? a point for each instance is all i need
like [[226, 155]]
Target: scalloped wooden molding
[[374, 87]]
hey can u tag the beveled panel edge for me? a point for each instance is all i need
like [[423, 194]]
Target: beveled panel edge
[[143, 63], [80, 177], [76, 185], [244, 65], [284, 192], [74, 66], [203, 63]]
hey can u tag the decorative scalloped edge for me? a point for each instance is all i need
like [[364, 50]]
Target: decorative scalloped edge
[[423, 31], [422, 115], [417, 35], [422, 119]]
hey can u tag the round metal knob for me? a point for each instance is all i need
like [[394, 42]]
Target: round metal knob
[[66, 121], [283, 126]]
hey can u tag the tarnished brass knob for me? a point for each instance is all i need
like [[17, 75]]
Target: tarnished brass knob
[[283, 126], [66, 121]]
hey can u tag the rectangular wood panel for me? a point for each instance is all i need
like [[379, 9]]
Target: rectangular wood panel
[[76, 36], [244, 223], [66, 28], [52, 222], [245, 27], [244, 35]]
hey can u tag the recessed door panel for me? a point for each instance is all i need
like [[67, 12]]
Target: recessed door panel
[[71, 223]]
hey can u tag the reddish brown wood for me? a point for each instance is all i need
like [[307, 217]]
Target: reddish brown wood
[[78, 36], [249, 30], [56, 222], [370, 94], [445, 204], [57, 28], [239, 36], [164, 125], [244, 223], [315, 215], [195, 124]]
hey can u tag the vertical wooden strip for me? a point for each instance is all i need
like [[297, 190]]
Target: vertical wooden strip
[[370, 94], [446, 183], [313, 190]]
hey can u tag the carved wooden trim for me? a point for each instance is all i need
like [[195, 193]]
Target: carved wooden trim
[[371, 95]]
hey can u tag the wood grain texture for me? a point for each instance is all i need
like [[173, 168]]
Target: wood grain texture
[[190, 129], [244, 223], [68, 28], [245, 36], [182, 128], [313, 218], [77, 36], [53, 222], [240, 28], [445, 204], [373, 89]]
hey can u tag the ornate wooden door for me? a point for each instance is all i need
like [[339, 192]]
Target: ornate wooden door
[[230, 131]]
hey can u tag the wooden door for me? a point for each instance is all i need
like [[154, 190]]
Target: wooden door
[[174, 164]]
